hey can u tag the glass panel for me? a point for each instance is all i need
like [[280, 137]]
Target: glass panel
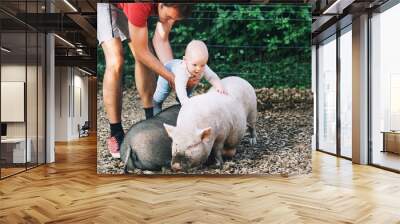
[[386, 89], [345, 93], [41, 100], [13, 85], [314, 86], [23, 89], [32, 87], [31, 99], [14, 152], [327, 96]]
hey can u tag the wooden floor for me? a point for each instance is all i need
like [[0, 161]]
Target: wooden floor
[[10, 171], [387, 159], [70, 191]]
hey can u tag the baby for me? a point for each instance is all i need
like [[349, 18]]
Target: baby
[[188, 73]]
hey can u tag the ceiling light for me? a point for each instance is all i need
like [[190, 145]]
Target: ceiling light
[[84, 71], [70, 5], [5, 50], [80, 51], [338, 6], [64, 40]]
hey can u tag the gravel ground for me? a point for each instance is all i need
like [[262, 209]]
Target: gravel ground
[[283, 144]]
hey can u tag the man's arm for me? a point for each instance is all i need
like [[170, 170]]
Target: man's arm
[[161, 42], [139, 38]]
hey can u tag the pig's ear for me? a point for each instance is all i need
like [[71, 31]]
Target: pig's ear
[[170, 129], [205, 134]]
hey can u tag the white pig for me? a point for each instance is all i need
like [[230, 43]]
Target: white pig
[[211, 125]]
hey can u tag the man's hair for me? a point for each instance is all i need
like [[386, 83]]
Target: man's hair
[[184, 9]]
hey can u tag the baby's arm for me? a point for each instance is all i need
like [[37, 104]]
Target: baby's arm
[[181, 80], [214, 80]]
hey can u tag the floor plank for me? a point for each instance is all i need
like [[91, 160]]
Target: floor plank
[[70, 191]]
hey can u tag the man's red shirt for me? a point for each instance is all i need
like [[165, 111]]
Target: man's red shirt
[[138, 13]]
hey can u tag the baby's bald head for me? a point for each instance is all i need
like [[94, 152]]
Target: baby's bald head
[[196, 50], [196, 57]]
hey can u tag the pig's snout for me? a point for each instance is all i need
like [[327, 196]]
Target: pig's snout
[[176, 167]]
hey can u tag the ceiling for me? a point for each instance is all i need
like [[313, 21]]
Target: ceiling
[[330, 15], [75, 21]]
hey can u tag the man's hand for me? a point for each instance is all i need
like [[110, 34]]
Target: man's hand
[[171, 80]]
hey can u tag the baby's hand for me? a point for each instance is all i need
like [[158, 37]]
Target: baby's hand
[[184, 101], [221, 90]]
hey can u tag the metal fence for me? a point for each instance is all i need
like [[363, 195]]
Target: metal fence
[[250, 41]]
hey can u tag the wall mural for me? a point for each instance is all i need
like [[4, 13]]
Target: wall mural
[[232, 94]]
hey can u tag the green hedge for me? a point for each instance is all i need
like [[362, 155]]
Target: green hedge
[[268, 45]]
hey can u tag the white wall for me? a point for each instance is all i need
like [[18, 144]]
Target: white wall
[[80, 83], [12, 73], [61, 103], [33, 127], [16, 73], [70, 84]]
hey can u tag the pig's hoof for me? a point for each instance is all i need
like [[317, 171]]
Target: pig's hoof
[[176, 167], [253, 141], [220, 164], [217, 165]]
